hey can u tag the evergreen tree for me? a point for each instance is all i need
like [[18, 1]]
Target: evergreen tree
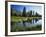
[[33, 14], [24, 12], [36, 14], [11, 11], [30, 14]]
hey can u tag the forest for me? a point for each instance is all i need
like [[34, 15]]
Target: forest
[[24, 13]]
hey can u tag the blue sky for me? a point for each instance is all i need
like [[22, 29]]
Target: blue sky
[[37, 9]]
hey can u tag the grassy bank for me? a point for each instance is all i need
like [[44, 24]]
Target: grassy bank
[[16, 19], [33, 28]]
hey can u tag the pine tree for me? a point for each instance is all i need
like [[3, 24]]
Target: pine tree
[[36, 14], [30, 14], [24, 12]]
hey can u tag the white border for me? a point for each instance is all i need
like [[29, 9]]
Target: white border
[[27, 32]]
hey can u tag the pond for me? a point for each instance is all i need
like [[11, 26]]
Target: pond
[[33, 22]]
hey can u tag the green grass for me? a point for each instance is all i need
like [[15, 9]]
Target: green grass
[[33, 28], [16, 19]]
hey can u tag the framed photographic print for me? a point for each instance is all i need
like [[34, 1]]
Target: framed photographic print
[[24, 18]]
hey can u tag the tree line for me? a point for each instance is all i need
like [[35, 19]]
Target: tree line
[[25, 14]]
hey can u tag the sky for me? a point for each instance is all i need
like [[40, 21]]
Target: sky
[[37, 9]]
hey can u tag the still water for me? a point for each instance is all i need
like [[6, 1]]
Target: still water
[[33, 22]]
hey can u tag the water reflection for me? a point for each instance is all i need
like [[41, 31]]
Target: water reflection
[[32, 22]]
